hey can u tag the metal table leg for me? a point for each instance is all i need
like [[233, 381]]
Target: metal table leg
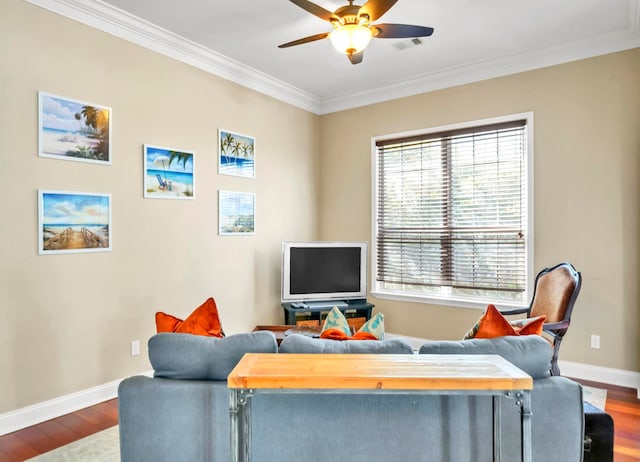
[[525, 412], [497, 430], [240, 413], [522, 399]]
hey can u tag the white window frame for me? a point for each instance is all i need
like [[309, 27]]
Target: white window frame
[[450, 300]]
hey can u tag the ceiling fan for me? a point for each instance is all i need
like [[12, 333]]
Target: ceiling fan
[[352, 28]]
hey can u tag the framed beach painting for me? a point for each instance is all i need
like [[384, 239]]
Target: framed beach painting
[[236, 154], [69, 129], [168, 173], [71, 222], [236, 212]]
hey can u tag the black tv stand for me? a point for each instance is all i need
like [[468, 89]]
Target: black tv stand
[[314, 309]]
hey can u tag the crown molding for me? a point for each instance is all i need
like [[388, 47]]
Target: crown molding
[[623, 39], [119, 23]]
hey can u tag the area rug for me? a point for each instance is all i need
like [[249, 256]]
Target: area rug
[[595, 396], [103, 446]]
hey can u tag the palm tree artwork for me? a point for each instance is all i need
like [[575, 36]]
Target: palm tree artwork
[[237, 154], [225, 142], [183, 157], [73, 130], [169, 173], [96, 125]]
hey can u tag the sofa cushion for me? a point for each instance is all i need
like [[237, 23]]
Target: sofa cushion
[[186, 356], [296, 343], [531, 353]]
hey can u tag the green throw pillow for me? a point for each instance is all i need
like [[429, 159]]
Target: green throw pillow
[[374, 326], [336, 320]]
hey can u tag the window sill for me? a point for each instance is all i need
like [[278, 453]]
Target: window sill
[[446, 301]]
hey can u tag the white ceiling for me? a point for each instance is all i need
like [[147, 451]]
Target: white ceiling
[[473, 40]]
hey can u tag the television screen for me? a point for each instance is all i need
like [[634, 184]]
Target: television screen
[[323, 270]]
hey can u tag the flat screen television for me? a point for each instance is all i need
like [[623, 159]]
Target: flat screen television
[[317, 271]]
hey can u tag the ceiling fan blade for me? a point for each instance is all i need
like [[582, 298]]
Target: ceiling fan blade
[[314, 9], [375, 8], [356, 58], [400, 31], [311, 38]]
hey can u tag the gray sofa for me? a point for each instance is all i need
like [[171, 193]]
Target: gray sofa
[[182, 412]]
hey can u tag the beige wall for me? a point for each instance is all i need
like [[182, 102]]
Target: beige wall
[[67, 320], [587, 201]]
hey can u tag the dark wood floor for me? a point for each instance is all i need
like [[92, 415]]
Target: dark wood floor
[[622, 405], [41, 438]]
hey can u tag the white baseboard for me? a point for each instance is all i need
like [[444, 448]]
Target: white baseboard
[[620, 377], [41, 412]]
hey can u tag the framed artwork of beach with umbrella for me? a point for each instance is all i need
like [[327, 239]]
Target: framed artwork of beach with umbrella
[[168, 173], [73, 130], [236, 154], [71, 222]]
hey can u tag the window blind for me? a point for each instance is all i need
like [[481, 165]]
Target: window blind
[[451, 211]]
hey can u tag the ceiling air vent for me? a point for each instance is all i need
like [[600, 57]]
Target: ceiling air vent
[[411, 43]]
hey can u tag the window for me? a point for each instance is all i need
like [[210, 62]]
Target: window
[[452, 218]]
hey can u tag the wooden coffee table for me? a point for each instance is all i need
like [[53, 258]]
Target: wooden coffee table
[[393, 374]]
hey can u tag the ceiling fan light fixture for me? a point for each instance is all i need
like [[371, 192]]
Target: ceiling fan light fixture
[[350, 38]]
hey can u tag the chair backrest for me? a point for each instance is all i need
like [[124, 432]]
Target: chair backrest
[[555, 293]]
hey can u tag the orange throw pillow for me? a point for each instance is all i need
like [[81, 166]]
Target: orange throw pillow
[[203, 321], [529, 326], [494, 324], [334, 334], [337, 334], [166, 322]]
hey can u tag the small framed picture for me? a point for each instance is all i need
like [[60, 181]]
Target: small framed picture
[[168, 173], [236, 154], [73, 130], [72, 222], [236, 212]]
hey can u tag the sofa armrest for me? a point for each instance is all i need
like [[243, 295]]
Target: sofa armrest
[[558, 419], [169, 420]]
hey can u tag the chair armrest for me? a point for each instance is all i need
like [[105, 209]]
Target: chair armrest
[[514, 311], [556, 325]]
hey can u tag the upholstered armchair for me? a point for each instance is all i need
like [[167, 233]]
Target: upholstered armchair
[[555, 293]]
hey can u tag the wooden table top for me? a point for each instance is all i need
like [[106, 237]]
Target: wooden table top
[[377, 371]]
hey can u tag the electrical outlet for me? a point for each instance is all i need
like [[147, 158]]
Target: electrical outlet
[[135, 348], [595, 341]]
